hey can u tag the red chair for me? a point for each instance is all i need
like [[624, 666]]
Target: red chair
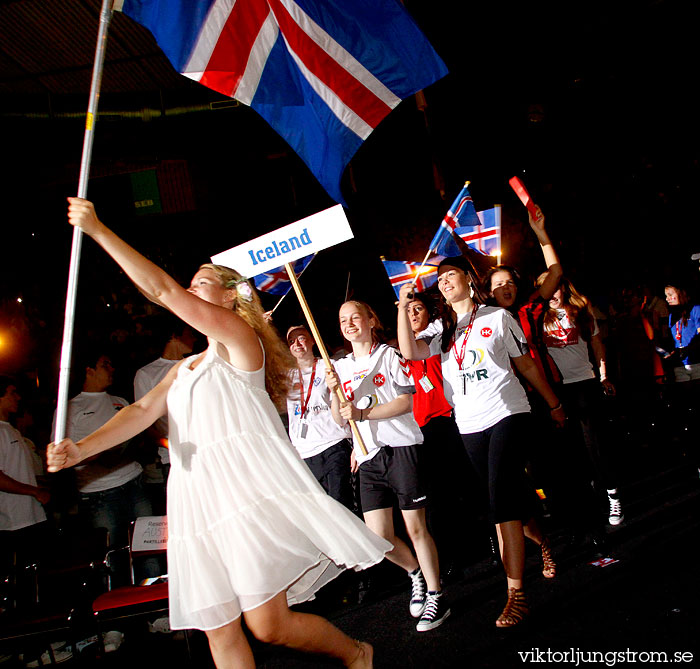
[[147, 537]]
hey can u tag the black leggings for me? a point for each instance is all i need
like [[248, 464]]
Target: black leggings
[[583, 409], [499, 455]]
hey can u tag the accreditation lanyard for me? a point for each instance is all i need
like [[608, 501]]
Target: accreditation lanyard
[[459, 357], [679, 329], [424, 381], [305, 401]]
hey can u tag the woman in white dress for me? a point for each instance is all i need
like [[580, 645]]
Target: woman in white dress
[[250, 529]]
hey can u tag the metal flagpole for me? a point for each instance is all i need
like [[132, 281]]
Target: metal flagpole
[[69, 322], [322, 348]]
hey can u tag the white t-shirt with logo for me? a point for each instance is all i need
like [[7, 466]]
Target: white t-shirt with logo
[[569, 350], [318, 431], [17, 511], [147, 378], [485, 390], [86, 413], [378, 378]]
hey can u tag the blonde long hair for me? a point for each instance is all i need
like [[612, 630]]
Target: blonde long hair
[[278, 359]]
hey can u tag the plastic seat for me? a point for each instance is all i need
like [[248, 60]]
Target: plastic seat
[[147, 537]]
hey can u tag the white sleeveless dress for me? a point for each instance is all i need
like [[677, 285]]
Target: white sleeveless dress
[[246, 518]]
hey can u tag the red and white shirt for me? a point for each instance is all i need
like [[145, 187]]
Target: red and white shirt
[[378, 378], [569, 350]]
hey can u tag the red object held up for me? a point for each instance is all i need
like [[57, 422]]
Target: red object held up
[[524, 196]]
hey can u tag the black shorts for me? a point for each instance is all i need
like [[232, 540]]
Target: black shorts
[[332, 470], [393, 473]]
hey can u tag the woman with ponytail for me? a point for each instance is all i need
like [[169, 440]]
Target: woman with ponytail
[[479, 346]]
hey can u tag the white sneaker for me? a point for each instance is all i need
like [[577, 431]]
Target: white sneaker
[[112, 640], [418, 593], [616, 516], [160, 625]]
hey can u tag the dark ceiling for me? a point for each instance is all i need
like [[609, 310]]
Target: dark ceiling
[[593, 104]]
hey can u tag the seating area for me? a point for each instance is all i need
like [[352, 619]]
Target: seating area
[[68, 597]]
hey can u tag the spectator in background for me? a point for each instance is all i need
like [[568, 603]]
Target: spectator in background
[[109, 485], [684, 323], [179, 339], [22, 518]]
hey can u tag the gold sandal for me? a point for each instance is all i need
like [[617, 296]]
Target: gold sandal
[[516, 609], [549, 566]]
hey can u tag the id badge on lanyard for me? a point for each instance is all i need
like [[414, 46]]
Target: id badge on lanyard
[[463, 376], [303, 428], [425, 384], [424, 381]]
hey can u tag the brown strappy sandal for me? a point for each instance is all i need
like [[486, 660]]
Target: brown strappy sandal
[[364, 654], [516, 609], [549, 566]]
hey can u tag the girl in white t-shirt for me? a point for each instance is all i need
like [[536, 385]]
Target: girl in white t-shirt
[[478, 345], [569, 328], [378, 385]]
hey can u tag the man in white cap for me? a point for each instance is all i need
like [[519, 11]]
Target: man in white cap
[[322, 443]]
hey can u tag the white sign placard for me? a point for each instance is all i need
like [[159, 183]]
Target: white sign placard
[[150, 533], [293, 241]]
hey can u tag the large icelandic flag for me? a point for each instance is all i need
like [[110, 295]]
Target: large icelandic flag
[[323, 73], [486, 238], [461, 214], [401, 272], [276, 281]]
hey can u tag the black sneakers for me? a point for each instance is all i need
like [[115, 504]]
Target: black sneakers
[[435, 613]]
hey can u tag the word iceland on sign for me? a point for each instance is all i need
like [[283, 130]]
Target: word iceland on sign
[[293, 241]]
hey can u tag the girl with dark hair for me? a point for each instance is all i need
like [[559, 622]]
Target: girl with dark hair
[[378, 386], [443, 454], [478, 346], [501, 285], [569, 328], [684, 323], [250, 529]]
